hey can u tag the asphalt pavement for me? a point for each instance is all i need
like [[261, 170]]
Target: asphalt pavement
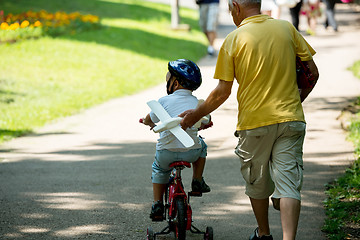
[[88, 176]]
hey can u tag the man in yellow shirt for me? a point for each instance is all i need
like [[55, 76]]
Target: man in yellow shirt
[[260, 54]]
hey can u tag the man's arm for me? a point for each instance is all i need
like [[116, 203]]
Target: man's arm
[[315, 73], [217, 97]]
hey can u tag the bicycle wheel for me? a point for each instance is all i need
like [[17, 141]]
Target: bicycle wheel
[[209, 234], [180, 228], [150, 234]]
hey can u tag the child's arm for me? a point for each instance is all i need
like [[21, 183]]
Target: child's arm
[[147, 121]]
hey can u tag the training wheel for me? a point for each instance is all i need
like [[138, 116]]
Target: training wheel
[[209, 234], [150, 234]]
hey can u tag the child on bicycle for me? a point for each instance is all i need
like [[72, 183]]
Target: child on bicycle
[[182, 79]]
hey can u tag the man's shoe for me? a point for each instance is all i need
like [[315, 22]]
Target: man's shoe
[[255, 236], [157, 211], [199, 186]]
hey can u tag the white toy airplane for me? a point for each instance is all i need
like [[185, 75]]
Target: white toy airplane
[[172, 124]]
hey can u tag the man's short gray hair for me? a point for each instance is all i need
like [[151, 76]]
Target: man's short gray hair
[[244, 2]]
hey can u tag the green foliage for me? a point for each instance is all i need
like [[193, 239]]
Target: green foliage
[[49, 78], [343, 195], [20, 34], [355, 68], [343, 203]]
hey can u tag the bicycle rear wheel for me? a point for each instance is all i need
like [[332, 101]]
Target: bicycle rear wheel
[[180, 227]]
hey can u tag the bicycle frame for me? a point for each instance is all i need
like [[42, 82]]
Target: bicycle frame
[[176, 191], [177, 208]]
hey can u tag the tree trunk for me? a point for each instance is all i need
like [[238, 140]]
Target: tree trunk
[[175, 18]]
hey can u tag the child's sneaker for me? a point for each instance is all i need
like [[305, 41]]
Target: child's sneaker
[[255, 236], [199, 186], [157, 211]]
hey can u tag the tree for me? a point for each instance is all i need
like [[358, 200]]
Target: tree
[[175, 17]]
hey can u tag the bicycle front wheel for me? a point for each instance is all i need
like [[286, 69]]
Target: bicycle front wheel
[[180, 227]]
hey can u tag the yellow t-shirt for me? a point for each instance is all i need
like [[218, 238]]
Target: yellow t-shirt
[[260, 54]]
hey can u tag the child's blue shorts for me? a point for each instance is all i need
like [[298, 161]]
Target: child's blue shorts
[[163, 158]]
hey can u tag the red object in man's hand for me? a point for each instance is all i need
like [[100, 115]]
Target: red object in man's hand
[[210, 124], [304, 77]]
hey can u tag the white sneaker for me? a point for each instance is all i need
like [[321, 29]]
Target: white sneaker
[[210, 50]]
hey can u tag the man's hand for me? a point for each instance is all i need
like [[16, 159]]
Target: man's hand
[[189, 118]]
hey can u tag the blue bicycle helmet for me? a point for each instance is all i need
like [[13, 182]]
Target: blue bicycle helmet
[[186, 72]]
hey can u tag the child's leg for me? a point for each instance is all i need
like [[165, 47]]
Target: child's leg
[[160, 176], [157, 208], [198, 183], [199, 164], [160, 173], [198, 168], [158, 190]]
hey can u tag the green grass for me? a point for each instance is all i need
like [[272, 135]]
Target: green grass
[[343, 204], [48, 78], [355, 68], [343, 195]]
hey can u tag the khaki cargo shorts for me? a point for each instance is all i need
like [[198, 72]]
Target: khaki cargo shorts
[[271, 160]]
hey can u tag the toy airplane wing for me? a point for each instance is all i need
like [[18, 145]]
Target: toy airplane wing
[[183, 137], [169, 123], [159, 111]]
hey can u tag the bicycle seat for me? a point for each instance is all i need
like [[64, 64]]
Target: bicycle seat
[[180, 163]]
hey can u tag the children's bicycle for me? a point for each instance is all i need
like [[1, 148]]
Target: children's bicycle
[[177, 208]]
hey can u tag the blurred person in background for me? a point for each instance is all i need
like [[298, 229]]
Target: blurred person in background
[[330, 14], [312, 10], [295, 14], [270, 8], [208, 20]]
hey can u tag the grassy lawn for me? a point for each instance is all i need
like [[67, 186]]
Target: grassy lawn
[[47, 78], [343, 202]]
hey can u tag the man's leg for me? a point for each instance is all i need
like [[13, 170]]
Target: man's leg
[[287, 173], [254, 150], [289, 212], [260, 208]]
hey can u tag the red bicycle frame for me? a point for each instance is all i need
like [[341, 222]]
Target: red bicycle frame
[[176, 191]]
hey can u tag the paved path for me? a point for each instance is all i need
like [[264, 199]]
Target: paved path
[[88, 176]]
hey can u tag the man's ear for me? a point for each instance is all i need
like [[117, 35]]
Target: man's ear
[[237, 7]]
